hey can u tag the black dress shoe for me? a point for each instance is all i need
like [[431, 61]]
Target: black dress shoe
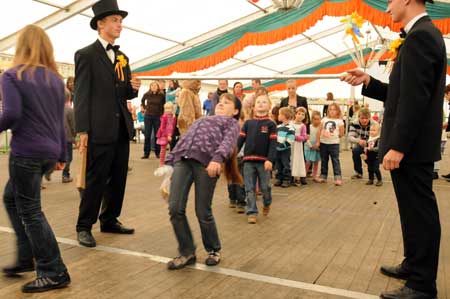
[[116, 228], [406, 293], [19, 268], [43, 284], [395, 272], [86, 238], [435, 175]]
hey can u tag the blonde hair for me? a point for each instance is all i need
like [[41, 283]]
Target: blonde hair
[[33, 49], [338, 109], [287, 112], [168, 105]]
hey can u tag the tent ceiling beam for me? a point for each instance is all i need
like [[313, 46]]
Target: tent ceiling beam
[[257, 6], [274, 77], [125, 27], [50, 20], [317, 44], [200, 39], [258, 65], [279, 50]]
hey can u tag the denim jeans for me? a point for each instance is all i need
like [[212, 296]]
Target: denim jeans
[[152, 123], [22, 198], [236, 192], [185, 173], [327, 151], [252, 171], [69, 155], [283, 165], [357, 150]]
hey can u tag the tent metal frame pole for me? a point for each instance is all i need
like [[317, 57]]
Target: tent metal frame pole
[[273, 77]]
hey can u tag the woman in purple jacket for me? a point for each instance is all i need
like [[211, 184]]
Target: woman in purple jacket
[[33, 108]]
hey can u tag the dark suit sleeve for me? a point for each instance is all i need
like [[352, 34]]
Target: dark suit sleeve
[[82, 91], [416, 88], [375, 90]]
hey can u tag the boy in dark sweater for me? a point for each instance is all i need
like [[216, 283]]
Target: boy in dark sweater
[[285, 139], [260, 137]]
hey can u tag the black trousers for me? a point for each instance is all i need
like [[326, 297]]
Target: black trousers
[[419, 217], [106, 177]]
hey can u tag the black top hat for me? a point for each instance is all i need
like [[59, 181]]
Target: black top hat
[[104, 8]]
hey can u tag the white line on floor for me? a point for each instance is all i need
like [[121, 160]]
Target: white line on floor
[[223, 271]]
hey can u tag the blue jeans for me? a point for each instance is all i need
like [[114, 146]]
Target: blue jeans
[[22, 198], [185, 173], [252, 171], [283, 165], [327, 151], [357, 150], [69, 157], [152, 123]]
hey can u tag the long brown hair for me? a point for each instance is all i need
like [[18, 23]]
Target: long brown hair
[[231, 168], [34, 49]]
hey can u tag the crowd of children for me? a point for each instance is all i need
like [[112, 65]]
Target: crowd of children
[[272, 141]]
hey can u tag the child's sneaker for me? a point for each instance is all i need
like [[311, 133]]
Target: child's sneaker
[[266, 210], [213, 258], [320, 180], [379, 183], [356, 176], [181, 261], [240, 209], [286, 184], [369, 182], [338, 182], [277, 183], [232, 204], [303, 181], [251, 219]]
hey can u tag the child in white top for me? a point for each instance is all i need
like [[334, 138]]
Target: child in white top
[[312, 146], [297, 156], [331, 130]]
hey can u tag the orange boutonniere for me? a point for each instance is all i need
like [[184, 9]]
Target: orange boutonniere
[[120, 64], [395, 47]]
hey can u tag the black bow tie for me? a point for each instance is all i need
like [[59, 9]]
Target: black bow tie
[[111, 47], [402, 33]]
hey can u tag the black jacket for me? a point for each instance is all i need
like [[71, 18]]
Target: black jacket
[[100, 98], [414, 96], [301, 102]]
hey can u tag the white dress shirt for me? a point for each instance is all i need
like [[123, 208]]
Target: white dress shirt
[[110, 52]]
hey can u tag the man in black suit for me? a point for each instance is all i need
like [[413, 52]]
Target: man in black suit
[[410, 142], [103, 84]]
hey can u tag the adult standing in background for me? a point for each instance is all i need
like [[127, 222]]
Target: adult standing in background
[[103, 84], [413, 96], [330, 98], [207, 104], [222, 87], [70, 86], [293, 100], [153, 101], [33, 93]]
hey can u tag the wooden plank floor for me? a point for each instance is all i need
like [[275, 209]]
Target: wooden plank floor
[[318, 234]]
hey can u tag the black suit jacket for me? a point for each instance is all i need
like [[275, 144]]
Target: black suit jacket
[[100, 98], [414, 96], [301, 102]]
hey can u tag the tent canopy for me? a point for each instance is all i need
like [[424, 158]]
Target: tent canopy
[[225, 38]]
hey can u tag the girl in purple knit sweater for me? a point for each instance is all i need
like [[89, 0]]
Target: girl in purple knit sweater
[[197, 158]]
